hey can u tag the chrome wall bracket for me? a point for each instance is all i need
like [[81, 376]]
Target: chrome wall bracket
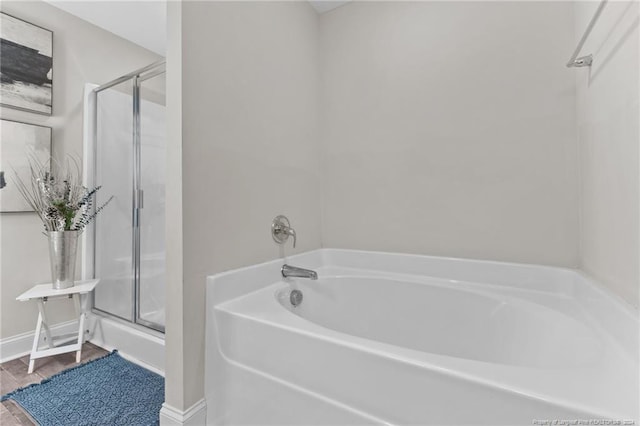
[[583, 61]]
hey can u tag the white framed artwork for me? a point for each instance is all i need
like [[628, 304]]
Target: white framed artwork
[[20, 143]]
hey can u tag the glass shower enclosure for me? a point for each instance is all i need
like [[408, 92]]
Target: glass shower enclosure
[[126, 246]]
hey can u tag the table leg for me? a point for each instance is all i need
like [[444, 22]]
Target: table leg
[[34, 348], [45, 323], [76, 302]]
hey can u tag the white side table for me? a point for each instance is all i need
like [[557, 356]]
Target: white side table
[[41, 294]]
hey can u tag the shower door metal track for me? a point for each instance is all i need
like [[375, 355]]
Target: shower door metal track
[[130, 75], [137, 198]]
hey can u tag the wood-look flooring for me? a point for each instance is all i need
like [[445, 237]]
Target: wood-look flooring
[[13, 375]]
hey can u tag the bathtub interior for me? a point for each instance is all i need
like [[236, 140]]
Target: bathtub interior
[[437, 316], [576, 365]]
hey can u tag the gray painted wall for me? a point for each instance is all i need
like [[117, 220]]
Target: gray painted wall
[[249, 112], [450, 130], [609, 134]]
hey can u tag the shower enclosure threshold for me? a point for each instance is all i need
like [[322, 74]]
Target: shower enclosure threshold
[[135, 342]]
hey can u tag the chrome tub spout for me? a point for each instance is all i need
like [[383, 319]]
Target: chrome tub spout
[[293, 271]]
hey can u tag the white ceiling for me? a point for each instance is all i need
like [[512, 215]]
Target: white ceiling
[[142, 22]]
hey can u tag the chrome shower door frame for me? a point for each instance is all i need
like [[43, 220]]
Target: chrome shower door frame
[[137, 77]]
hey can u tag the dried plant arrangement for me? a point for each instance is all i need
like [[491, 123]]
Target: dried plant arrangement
[[57, 195]]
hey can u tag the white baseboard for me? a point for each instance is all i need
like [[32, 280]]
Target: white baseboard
[[196, 415], [16, 346], [140, 347]]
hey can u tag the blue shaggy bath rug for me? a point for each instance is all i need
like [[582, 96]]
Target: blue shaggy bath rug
[[106, 391]]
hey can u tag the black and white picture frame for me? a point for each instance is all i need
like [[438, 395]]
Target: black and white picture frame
[[26, 69], [19, 144]]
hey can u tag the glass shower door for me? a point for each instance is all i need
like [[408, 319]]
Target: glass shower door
[[114, 261], [129, 161], [151, 288]]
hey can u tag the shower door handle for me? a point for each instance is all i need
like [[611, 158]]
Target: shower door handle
[[140, 199]]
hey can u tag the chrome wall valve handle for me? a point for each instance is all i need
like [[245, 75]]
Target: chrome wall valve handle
[[281, 230]]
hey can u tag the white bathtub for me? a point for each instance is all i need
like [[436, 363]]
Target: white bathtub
[[399, 339]]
